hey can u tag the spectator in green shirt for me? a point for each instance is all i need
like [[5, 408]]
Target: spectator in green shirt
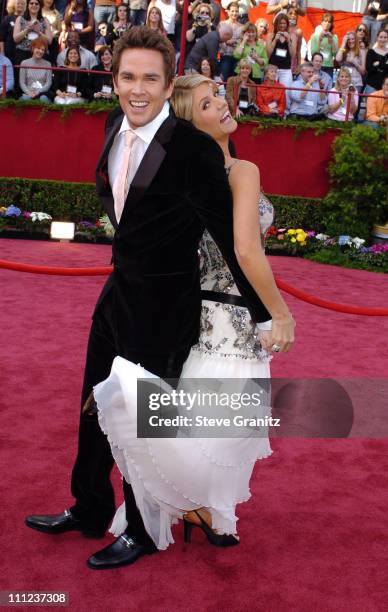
[[252, 49], [325, 42]]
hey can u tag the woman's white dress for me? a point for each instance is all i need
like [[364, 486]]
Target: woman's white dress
[[171, 476]]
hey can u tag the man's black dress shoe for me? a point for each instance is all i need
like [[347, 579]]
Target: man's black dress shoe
[[124, 551], [60, 523]]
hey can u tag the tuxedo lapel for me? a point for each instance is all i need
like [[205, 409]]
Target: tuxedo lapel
[[149, 165], [102, 177]]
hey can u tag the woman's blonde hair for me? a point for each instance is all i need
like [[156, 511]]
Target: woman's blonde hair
[[202, 5], [11, 7], [244, 62], [182, 95], [343, 70]]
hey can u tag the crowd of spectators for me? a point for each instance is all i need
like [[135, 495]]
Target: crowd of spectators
[[269, 67]]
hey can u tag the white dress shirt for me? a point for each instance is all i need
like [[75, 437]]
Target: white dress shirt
[[145, 135]]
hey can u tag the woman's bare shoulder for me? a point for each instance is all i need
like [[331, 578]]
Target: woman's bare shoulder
[[242, 169]]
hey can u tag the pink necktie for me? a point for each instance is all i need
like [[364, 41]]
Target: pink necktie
[[120, 184]]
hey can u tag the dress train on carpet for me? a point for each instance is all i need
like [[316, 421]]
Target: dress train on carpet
[[171, 476]]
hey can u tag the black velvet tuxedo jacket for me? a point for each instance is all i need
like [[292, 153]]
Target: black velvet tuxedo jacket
[[180, 189]]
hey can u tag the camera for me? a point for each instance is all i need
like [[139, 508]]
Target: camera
[[252, 110]]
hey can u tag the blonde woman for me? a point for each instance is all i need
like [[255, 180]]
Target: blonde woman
[[338, 97], [203, 479], [240, 90], [262, 27]]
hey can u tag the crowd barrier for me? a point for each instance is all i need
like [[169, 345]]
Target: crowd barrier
[[52, 68], [349, 97], [103, 271]]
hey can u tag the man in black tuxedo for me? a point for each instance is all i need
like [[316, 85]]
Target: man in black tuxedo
[[149, 309]]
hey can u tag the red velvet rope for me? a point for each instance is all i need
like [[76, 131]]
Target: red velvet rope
[[298, 293], [54, 270]]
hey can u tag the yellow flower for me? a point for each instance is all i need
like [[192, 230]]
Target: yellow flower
[[291, 232], [293, 239], [299, 230], [301, 237]]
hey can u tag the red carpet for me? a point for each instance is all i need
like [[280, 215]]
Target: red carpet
[[314, 536]]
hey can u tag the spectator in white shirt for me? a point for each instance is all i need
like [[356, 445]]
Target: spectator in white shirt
[[304, 103]]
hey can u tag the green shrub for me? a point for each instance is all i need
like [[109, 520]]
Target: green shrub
[[292, 211], [359, 178], [358, 261], [63, 201], [78, 202]]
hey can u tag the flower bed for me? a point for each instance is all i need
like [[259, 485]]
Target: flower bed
[[18, 223], [342, 250]]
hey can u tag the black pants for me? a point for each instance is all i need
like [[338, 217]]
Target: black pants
[[90, 482]]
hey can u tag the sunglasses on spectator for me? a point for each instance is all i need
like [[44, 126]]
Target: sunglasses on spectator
[[361, 30], [204, 13]]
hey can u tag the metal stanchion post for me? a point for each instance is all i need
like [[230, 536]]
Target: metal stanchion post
[[348, 105], [182, 54]]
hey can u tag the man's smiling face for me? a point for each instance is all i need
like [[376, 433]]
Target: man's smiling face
[[140, 85]]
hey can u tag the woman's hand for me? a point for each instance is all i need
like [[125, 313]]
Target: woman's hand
[[265, 338], [282, 334]]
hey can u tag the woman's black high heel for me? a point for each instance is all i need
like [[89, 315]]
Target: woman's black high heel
[[216, 539]]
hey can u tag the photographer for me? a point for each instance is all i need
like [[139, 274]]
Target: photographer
[[304, 104], [338, 97], [351, 56], [325, 81], [253, 50], [215, 5], [281, 48], [326, 43], [202, 23], [208, 46]]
